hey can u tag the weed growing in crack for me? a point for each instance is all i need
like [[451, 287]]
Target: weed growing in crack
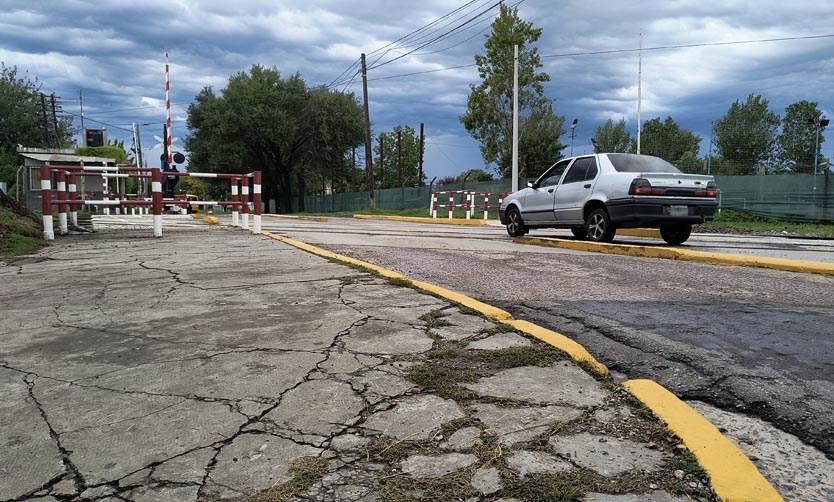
[[305, 472], [513, 357], [434, 319], [497, 329], [443, 381], [403, 283]]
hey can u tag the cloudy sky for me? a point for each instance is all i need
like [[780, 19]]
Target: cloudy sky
[[113, 53]]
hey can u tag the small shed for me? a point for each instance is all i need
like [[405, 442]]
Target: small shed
[[29, 175]]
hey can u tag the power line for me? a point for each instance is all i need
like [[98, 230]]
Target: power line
[[686, 46], [440, 37], [100, 122]]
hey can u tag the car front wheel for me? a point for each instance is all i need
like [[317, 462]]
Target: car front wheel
[[599, 227], [676, 234], [515, 225]]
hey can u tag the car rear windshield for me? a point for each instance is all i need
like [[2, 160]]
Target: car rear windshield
[[631, 163]]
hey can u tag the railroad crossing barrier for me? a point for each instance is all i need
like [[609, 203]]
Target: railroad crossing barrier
[[469, 201], [67, 196]]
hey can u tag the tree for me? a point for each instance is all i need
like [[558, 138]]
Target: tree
[[406, 173], [745, 138], [22, 121], [797, 142], [611, 138], [474, 175], [488, 117], [667, 140], [280, 126]]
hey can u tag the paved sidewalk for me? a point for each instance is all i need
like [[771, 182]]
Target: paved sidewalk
[[213, 364]]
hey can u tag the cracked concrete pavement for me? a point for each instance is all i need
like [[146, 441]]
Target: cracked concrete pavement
[[206, 364]]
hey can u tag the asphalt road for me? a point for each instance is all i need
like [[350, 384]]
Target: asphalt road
[[749, 340]]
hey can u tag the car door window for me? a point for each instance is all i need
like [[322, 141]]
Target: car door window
[[553, 175], [592, 171], [577, 171]]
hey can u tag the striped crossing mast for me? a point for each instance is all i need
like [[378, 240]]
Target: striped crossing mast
[[168, 140]]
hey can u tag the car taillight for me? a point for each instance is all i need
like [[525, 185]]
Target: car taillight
[[710, 191], [642, 186]]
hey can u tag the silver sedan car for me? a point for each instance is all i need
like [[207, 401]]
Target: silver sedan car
[[593, 195]]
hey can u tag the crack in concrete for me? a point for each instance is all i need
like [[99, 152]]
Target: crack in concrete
[[77, 478]]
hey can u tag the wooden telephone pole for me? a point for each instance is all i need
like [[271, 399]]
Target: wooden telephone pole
[[369, 166]]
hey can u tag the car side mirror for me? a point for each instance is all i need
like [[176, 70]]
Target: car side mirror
[[531, 184]]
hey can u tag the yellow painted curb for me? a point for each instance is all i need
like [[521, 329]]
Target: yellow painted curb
[[734, 477], [576, 351], [212, 220], [294, 217], [417, 219], [487, 310], [639, 232], [684, 255]]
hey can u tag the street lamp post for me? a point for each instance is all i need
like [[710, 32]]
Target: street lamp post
[[572, 134], [819, 124]]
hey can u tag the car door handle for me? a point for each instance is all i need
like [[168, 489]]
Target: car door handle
[[588, 185], [549, 190]]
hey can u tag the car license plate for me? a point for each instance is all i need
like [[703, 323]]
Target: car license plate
[[678, 210]]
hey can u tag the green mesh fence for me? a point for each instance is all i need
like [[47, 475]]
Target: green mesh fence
[[789, 196]]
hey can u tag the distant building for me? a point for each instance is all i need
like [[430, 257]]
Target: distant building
[[29, 177]]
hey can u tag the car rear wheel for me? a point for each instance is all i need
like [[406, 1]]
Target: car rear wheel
[[579, 232], [515, 225], [676, 234], [599, 227]]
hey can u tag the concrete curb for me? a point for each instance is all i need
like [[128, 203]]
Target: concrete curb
[[733, 475], [417, 219], [322, 219], [639, 232], [683, 255]]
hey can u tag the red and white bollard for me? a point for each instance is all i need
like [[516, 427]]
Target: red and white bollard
[[256, 195], [235, 214], [61, 182], [73, 188], [156, 189], [244, 190], [46, 203]]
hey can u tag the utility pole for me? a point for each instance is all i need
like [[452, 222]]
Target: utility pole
[[353, 167], [639, 89], [515, 120], [420, 163], [369, 166], [81, 102], [399, 157]]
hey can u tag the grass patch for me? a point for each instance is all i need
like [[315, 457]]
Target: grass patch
[[19, 235], [443, 380], [305, 472], [434, 319], [513, 357], [497, 329], [729, 220], [403, 283]]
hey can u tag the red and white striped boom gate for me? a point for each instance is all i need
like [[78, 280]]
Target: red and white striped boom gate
[[68, 197], [470, 202]]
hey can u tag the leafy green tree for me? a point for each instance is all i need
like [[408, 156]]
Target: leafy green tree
[[280, 126], [797, 142], [20, 124], [667, 140], [474, 175], [488, 117], [612, 138], [745, 138], [407, 172]]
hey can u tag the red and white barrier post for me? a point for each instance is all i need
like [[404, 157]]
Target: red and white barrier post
[[244, 190], [73, 188], [433, 208], [61, 186], [46, 203], [156, 188], [256, 195], [235, 214]]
